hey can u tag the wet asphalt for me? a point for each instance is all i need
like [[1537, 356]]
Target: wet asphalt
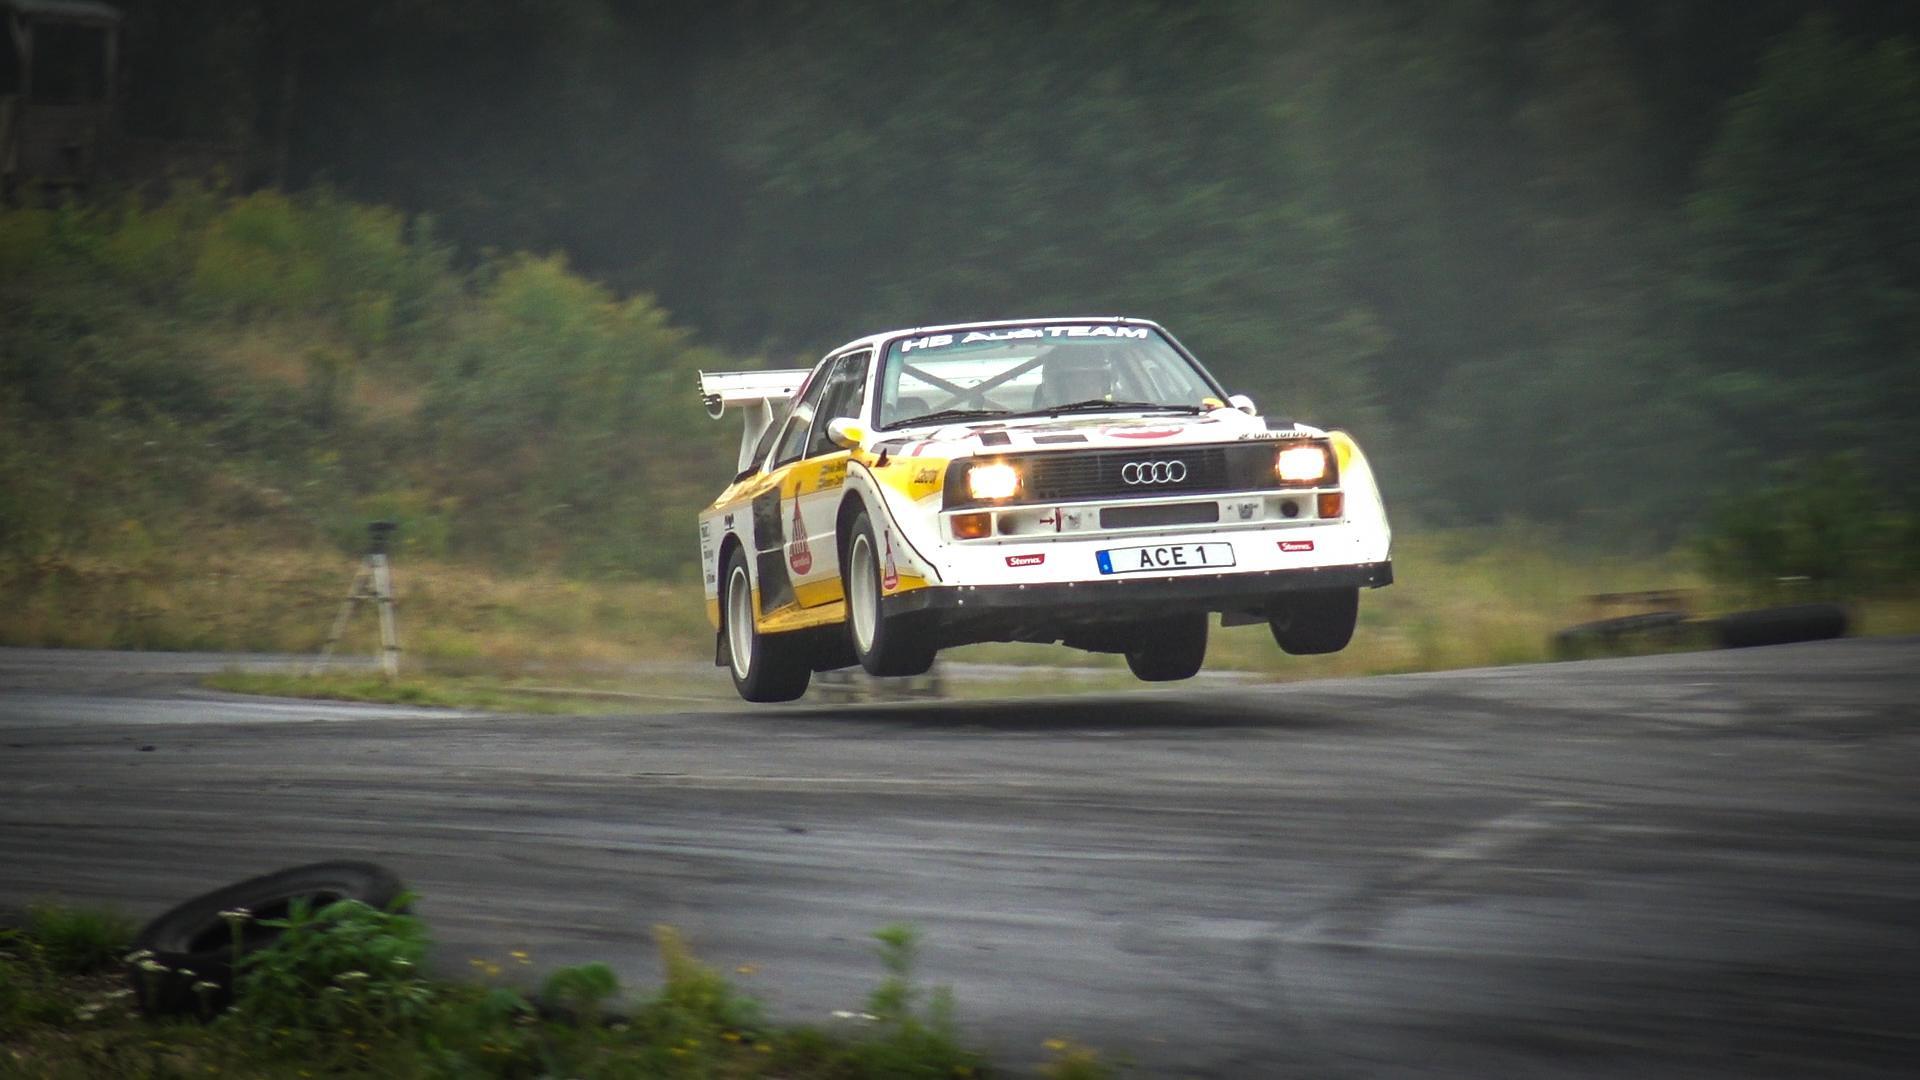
[[1689, 865]]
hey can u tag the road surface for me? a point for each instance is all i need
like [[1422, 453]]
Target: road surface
[[1688, 865]]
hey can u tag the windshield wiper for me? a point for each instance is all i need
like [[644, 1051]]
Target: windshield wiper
[[1103, 405], [946, 414]]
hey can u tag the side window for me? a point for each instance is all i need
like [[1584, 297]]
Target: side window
[[846, 393], [793, 434]]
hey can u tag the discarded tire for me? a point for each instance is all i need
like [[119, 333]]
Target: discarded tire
[[1611, 635], [183, 961], [1781, 625]]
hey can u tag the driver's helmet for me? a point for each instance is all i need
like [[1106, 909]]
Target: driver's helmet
[[1074, 374]]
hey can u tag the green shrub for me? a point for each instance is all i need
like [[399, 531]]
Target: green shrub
[[1820, 529], [346, 966]]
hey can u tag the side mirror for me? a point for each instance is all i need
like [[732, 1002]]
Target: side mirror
[[845, 432], [1244, 404]]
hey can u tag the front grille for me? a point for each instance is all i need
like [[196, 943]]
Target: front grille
[[1064, 476], [1069, 477]]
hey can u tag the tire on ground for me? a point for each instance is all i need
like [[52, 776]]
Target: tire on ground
[[765, 667], [193, 943], [1169, 649], [897, 646], [1313, 622], [1780, 625], [1606, 635]]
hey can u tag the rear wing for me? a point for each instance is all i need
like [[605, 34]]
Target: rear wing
[[754, 394]]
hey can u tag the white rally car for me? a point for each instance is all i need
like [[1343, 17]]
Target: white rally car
[[1082, 481]]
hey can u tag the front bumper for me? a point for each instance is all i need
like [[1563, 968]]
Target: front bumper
[[1132, 596]]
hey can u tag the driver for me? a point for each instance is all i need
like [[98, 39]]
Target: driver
[[1072, 375]]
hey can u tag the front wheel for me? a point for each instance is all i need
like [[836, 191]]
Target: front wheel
[[764, 668], [1170, 649], [884, 645], [1315, 622]]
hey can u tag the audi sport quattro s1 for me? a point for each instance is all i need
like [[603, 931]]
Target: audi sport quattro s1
[[1083, 481]]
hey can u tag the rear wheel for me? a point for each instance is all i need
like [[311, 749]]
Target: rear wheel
[[1311, 623], [1170, 649], [885, 645], [764, 668]]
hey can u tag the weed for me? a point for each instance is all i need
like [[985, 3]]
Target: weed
[[347, 966], [581, 991], [911, 1041], [337, 995], [1068, 1060], [78, 941]]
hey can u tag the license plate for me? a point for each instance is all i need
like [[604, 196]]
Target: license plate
[[1163, 557]]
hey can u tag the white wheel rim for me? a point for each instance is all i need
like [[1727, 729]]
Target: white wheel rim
[[863, 597], [740, 621]]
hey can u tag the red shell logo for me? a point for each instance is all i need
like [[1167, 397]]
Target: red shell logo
[[1142, 433], [1025, 560], [799, 555], [1296, 545], [889, 576]]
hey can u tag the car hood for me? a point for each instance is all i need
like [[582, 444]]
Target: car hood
[[1124, 430]]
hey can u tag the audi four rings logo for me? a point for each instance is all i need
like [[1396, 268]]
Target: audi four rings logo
[[1153, 472]]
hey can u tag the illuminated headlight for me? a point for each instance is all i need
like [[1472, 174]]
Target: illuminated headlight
[[994, 481], [1302, 464]]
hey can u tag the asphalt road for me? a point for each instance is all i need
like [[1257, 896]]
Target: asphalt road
[[1692, 865]]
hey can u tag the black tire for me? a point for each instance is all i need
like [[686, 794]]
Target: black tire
[[1170, 649], [1781, 625], [192, 943], [892, 645], [765, 668], [1612, 635], [1315, 622]]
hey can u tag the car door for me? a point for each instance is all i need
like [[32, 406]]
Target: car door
[[783, 552], [817, 479]]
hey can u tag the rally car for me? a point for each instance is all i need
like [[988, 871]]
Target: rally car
[[1079, 480]]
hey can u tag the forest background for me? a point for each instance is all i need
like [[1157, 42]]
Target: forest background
[[1613, 277]]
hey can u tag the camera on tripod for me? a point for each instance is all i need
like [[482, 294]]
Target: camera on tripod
[[380, 536]]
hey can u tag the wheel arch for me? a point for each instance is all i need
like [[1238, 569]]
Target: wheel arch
[[855, 502]]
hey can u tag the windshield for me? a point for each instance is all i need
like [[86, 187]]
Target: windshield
[[1037, 370]]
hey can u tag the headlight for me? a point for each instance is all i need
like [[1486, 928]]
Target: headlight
[[993, 481], [1302, 464]]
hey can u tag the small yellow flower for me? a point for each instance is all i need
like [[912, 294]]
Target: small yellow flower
[[745, 969], [730, 1036], [1056, 1045]]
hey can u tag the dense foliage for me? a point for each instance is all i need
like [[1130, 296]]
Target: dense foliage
[[1592, 264], [293, 366]]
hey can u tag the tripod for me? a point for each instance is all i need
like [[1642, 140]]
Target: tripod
[[372, 582]]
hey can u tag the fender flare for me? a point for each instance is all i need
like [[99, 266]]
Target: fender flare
[[876, 500]]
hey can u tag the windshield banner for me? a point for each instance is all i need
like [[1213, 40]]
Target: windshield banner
[[941, 341]]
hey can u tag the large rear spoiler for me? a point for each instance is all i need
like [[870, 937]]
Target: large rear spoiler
[[754, 393]]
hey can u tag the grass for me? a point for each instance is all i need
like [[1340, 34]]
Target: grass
[[477, 638], [228, 597], [340, 994]]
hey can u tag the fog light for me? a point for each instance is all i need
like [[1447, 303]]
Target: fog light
[[1332, 504], [972, 526], [1289, 509]]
